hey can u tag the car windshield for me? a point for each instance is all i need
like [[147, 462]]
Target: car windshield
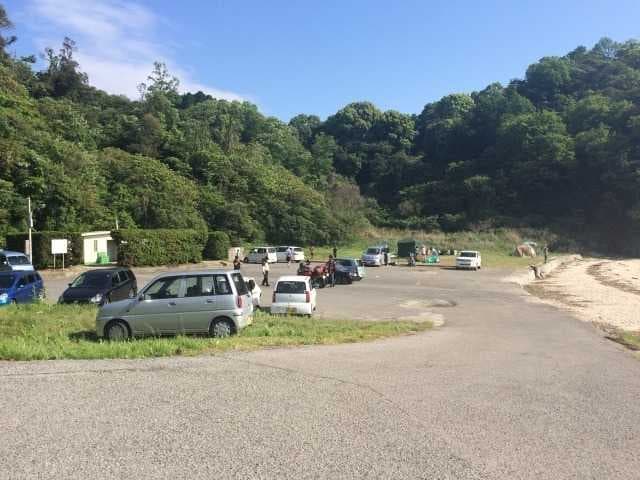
[[291, 287], [373, 251], [92, 279], [6, 281], [18, 260], [468, 254], [345, 263]]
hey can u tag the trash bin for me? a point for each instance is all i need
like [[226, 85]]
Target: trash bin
[[103, 258]]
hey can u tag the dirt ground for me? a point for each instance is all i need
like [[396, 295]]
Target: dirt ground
[[603, 291]]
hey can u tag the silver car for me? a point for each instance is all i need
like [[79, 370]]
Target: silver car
[[216, 302]]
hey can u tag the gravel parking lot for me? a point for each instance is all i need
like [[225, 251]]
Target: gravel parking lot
[[507, 388]]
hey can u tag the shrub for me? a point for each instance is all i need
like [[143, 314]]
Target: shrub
[[217, 246], [41, 247], [159, 247]]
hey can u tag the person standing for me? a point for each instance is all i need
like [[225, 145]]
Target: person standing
[[265, 272], [236, 263], [331, 269], [311, 252], [289, 255], [546, 253], [386, 257], [335, 252]]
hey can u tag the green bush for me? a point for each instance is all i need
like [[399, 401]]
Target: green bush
[[159, 247], [217, 246], [41, 248]]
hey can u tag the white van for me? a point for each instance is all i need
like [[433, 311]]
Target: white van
[[298, 253], [257, 254], [294, 294], [470, 259]]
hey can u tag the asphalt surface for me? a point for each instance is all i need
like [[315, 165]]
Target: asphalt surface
[[506, 388]]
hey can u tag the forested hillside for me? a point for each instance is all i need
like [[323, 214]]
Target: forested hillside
[[559, 149]]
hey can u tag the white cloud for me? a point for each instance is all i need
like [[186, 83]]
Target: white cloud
[[116, 45]]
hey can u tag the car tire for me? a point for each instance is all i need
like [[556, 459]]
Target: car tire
[[117, 331], [221, 328]]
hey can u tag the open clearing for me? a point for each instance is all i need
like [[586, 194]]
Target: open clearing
[[508, 388]]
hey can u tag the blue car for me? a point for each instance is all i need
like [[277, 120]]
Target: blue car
[[20, 286]]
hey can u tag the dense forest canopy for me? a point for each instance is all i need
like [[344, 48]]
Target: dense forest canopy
[[559, 148]]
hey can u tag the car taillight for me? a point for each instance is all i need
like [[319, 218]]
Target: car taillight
[[308, 296], [239, 301], [273, 298]]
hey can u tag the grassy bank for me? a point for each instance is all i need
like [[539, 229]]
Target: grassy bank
[[496, 246], [42, 332]]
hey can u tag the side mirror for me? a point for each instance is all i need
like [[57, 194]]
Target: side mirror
[[68, 284], [141, 297]]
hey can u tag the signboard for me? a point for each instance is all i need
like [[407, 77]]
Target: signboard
[[59, 247]]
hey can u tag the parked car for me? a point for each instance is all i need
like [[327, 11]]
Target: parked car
[[100, 286], [294, 294], [216, 302], [255, 290], [348, 270], [257, 254], [374, 256], [470, 259], [20, 286], [14, 261], [298, 254]]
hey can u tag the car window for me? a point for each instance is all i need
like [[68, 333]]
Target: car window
[[262, 250], [344, 263], [221, 284], [271, 250], [22, 282], [123, 276], [29, 279], [115, 281], [241, 286], [18, 260], [6, 281], [95, 279], [164, 288], [193, 286], [372, 251], [291, 287], [468, 254], [281, 249]]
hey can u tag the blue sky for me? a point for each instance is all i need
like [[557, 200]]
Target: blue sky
[[317, 56]]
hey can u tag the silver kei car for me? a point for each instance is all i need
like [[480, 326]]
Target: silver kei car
[[216, 302]]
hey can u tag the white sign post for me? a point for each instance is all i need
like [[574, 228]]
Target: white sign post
[[59, 247]]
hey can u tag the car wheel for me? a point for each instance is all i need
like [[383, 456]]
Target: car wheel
[[221, 328], [116, 331]]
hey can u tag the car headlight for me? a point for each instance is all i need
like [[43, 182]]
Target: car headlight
[[97, 298], [4, 297]]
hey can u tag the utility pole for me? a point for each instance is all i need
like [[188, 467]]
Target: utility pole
[[30, 227]]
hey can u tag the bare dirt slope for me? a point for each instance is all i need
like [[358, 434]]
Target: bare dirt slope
[[603, 291]]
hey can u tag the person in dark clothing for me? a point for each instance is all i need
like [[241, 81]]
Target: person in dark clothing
[[301, 268], [546, 253], [311, 252], [386, 258], [335, 252], [265, 272], [331, 270], [236, 263]]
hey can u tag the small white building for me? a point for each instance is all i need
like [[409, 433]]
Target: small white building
[[94, 243]]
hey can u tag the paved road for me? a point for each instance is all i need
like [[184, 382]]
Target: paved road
[[507, 388]]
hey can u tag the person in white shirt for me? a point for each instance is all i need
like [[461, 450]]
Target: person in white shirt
[[265, 272]]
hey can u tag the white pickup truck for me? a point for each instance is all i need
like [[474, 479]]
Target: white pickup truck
[[469, 259]]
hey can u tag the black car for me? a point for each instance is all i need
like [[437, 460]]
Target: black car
[[348, 270], [101, 286]]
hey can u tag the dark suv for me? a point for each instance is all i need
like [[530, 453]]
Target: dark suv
[[101, 286]]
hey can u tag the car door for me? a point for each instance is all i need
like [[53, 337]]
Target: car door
[[156, 311], [199, 303], [123, 285], [23, 290]]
